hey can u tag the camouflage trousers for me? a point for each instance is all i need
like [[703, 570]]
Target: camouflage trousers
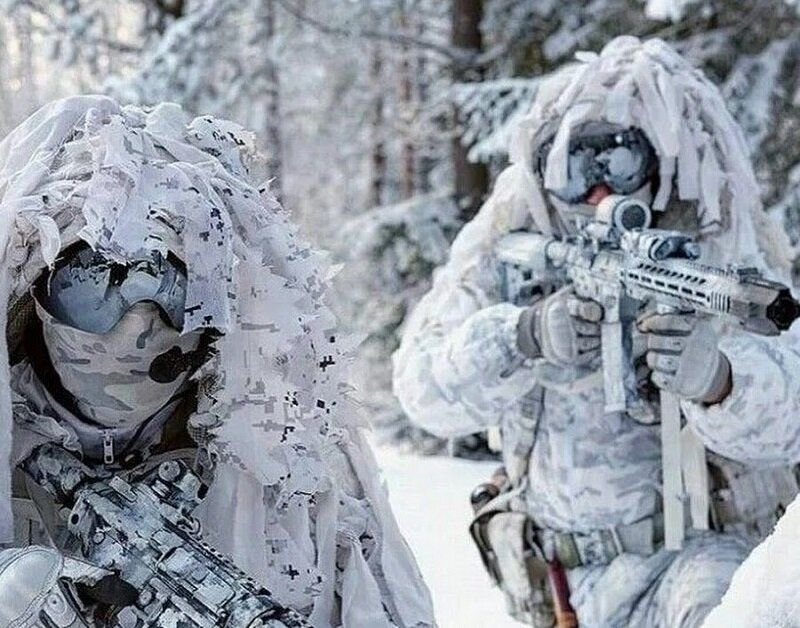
[[665, 590]]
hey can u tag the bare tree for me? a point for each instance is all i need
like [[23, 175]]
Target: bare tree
[[377, 181], [272, 122], [471, 180], [407, 109]]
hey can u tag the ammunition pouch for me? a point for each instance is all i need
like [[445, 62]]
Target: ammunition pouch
[[515, 565], [515, 550], [601, 546]]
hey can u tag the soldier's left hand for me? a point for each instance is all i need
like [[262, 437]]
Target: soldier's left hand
[[683, 354]]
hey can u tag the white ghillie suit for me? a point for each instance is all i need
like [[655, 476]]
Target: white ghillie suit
[[459, 368], [296, 499]]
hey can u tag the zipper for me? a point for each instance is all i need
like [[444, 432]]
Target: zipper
[[108, 447]]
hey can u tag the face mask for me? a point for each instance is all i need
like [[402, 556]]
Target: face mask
[[111, 375]]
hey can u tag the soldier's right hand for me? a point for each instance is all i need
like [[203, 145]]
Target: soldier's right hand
[[29, 587], [38, 581], [562, 328]]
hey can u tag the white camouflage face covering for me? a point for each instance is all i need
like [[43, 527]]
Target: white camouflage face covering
[[108, 374]]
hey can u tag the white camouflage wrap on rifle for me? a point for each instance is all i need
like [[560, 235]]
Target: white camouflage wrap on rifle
[[459, 370], [296, 501]]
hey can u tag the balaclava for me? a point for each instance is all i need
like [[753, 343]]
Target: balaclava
[[114, 376]]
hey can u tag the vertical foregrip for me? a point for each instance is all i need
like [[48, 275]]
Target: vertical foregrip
[[613, 366]]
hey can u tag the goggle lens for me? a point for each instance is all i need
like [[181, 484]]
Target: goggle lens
[[92, 293], [624, 161]]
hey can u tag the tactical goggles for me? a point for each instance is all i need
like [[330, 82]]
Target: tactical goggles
[[92, 293], [623, 160]]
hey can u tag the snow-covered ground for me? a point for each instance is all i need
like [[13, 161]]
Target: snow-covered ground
[[430, 497]]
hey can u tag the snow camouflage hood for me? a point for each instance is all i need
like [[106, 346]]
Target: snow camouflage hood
[[296, 495], [703, 158]]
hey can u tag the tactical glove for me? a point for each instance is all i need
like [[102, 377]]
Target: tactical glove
[[683, 355], [37, 584], [562, 328]]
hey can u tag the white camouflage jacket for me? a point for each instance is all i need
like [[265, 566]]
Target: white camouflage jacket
[[458, 369]]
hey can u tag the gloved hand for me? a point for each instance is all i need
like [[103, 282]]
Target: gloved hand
[[562, 328], [30, 588], [683, 355]]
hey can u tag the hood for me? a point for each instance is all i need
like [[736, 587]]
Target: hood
[[273, 395], [704, 165]]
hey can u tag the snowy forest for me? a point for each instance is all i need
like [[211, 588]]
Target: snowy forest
[[384, 124], [384, 121]]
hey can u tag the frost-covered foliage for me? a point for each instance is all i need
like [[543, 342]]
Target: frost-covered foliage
[[390, 254], [297, 73], [763, 92], [490, 110], [85, 31], [667, 9], [185, 65], [674, 10]]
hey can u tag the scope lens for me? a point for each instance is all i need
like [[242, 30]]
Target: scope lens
[[633, 217], [629, 214]]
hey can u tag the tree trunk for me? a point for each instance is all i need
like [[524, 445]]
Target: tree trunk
[[6, 114], [426, 162], [407, 187], [377, 139], [25, 71], [471, 180], [272, 125]]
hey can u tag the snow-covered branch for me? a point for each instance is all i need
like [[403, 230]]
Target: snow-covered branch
[[454, 55]]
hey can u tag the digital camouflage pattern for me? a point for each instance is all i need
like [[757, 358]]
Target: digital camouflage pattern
[[296, 499], [140, 527], [459, 370], [108, 374]]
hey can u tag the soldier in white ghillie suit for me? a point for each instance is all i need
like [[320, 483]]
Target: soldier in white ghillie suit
[[163, 305], [585, 484]]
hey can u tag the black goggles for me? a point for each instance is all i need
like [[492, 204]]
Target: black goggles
[[623, 160], [92, 293]]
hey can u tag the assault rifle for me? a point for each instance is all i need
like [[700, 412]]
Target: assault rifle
[[141, 530], [617, 260]]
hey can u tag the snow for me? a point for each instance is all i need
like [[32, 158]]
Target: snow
[[430, 497], [765, 590], [666, 9]]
